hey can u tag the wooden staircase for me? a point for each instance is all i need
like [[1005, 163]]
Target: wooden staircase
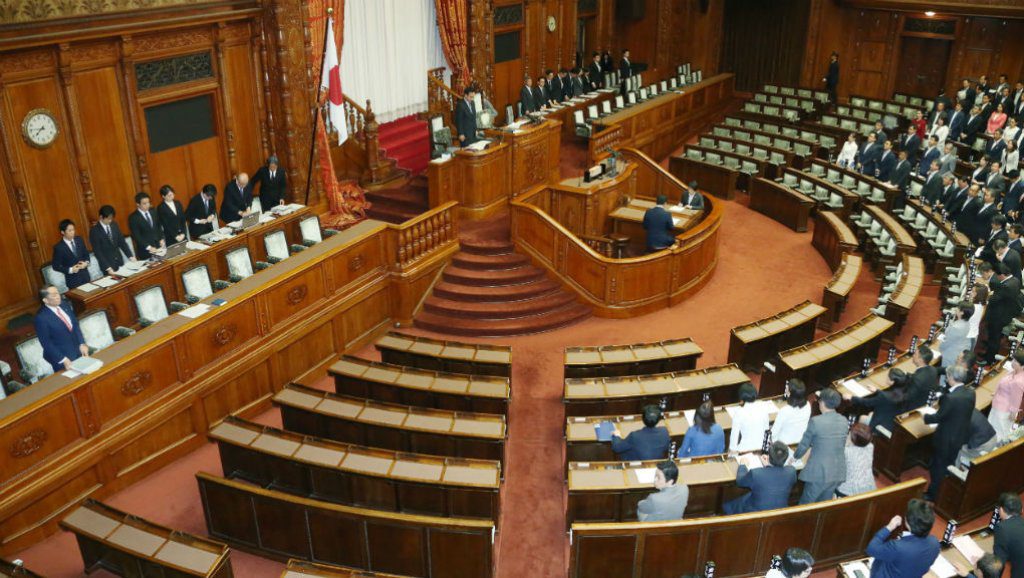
[[361, 157]]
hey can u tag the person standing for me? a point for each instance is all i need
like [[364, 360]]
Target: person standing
[[202, 212], [71, 256], [237, 198], [1009, 539], [913, 553], [749, 421], [953, 421], [145, 228], [832, 78], [1007, 400], [465, 118], [860, 455], [791, 421], [171, 215], [108, 243], [273, 184], [826, 438], [58, 331]]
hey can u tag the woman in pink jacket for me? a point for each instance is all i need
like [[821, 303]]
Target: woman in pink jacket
[[1006, 402]]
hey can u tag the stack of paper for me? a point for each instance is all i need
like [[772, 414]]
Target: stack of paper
[[196, 246], [969, 548], [105, 282], [751, 460], [645, 475], [856, 388], [857, 569], [86, 365], [943, 569], [195, 311], [87, 287]]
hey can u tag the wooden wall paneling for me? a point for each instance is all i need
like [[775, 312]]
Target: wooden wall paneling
[[245, 390], [128, 387], [366, 317], [261, 64], [312, 350], [875, 35], [17, 294], [74, 129], [129, 95], [168, 435], [825, 34], [567, 28], [229, 99], [215, 341], [27, 525], [295, 296]]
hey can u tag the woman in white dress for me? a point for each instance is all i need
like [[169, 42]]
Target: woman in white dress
[[848, 156], [792, 419], [749, 421]]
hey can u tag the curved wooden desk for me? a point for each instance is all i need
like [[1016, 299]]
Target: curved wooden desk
[[303, 569], [439, 355], [635, 359], [966, 494], [837, 291], [752, 344]]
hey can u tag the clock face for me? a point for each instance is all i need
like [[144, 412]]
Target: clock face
[[552, 23], [40, 128]]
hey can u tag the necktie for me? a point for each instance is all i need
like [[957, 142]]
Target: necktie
[[63, 317], [148, 219], [109, 234], [272, 173], [206, 205]]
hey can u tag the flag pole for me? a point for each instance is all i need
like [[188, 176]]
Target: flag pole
[[316, 107]]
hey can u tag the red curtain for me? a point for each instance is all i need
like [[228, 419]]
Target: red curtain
[[453, 24]]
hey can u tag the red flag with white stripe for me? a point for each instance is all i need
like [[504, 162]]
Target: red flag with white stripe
[[331, 80]]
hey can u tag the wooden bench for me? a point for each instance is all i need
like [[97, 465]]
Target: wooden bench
[[718, 180], [392, 426], [944, 247], [636, 359], [903, 242], [783, 204], [678, 390], [966, 494], [279, 525], [820, 362], [303, 569], [739, 545], [357, 377], [832, 238], [837, 291], [752, 344], [451, 356], [906, 292], [806, 182], [356, 475], [130, 546]]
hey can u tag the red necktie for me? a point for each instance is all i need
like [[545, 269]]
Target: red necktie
[[63, 317]]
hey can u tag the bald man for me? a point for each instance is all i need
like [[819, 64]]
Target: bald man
[[237, 201]]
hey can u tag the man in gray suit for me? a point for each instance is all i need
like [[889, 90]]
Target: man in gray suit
[[947, 162], [826, 438], [669, 502]]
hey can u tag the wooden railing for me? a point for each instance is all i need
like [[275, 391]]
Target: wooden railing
[[374, 168], [432, 232], [355, 118], [440, 98]]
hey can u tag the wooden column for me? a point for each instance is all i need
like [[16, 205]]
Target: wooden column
[[129, 95], [77, 141], [481, 39]]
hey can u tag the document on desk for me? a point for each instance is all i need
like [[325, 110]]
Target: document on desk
[[266, 217], [195, 311], [751, 460], [86, 365], [856, 389], [688, 414], [943, 569], [645, 475], [87, 287], [196, 246], [106, 281], [857, 569], [969, 548]]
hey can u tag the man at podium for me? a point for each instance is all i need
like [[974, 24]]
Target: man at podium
[[465, 118]]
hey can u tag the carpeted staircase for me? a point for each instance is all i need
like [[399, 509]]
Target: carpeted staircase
[[490, 290], [407, 141], [399, 204]]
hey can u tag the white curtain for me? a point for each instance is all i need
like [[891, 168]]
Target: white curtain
[[389, 47]]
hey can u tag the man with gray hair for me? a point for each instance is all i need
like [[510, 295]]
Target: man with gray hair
[[953, 431], [272, 184], [825, 436]]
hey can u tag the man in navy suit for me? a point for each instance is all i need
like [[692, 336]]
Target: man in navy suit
[[932, 153], [869, 155], [887, 162], [649, 443], [658, 224], [957, 122], [911, 144], [692, 199], [913, 553], [1014, 190], [70, 256], [58, 330], [1009, 542], [953, 429], [145, 228], [769, 486], [108, 243], [237, 198]]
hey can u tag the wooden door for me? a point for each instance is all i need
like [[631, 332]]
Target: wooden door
[[192, 164], [922, 69]]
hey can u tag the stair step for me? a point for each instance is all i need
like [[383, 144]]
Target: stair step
[[389, 214], [487, 247], [489, 262], [492, 278], [497, 310], [461, 325], [504, 294]]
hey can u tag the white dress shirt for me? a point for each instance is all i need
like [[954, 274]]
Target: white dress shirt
[[790, 424], [748, 424]]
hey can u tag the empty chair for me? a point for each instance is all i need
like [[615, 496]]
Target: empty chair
[[743, 135], [762, 140], [772, 128], [930, 231], [771, 88], [834, 201], [151, 305], [713, 158], [807, 187], [760, 97], [786, 90], [748, 168], [197, 284], [707, 142], [94, 268], [743, 149], [730, 121], [781, 143], [849, 182], [277, 246], [96, 330], [619, 103], [792, 102], [856, 101], [920, 222], [606, 107], [239, 264], [51, 277], [440, 137], [827, 142], [775, 100], [583, 128], [721, 131], [789, 179], [310, 229], [908, 213], [631, 97], [257, 204], [592, 113], [777, 158], [858, 113], [30, 357], [752, 107], [761, 154], [863, 188], [732, 162], [863, 220], [848, 125], [833, 176], [916, 188], [725, 145], [791, 132], [946, 252], [820, 193], [694, 154], [874, 228], [889, 249], [877, 195]]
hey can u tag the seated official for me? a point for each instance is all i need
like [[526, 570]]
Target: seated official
[[108, 243], [885, 404], [913, 553], [649, 443], [669, 502], [769, 486], [145, 228], [172, 216], [202, 212], [1009, 539], [791, 421], [860, 457], [982, 440], [465, 118], [70, 256], [988, 566], [796, 563], [692, 199], [237, 201], [749, 421], [659, 226], [705, 437], [273, 185], [58, 331]]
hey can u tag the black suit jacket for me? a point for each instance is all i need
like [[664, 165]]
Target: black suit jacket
[[465, 122], [965, 216], [974, 126], [988, 252], [526, 99], [886, 165], [901, 175], [577, 87], [956, 203], [911, 144], [596, 74], [832, 76], [922, 382], [110, 250], [540, 97], [1012, 260], [272, 190], [932, 190], [173, 224], [1009, 544], [555, 89], [981, 225], [144, 234], [235, 201], [1004, 304], [625, 69], [954, 423], [64, 258], [198, 210]]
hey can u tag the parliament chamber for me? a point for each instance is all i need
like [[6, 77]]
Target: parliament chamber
[[547, 288]]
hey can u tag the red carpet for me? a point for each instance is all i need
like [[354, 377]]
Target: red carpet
[[407, 141]]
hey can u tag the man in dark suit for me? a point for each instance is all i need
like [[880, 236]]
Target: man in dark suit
[[692, 199], [953, 429], [957, 122], [949, 190], [980, 173], [71, 256], [625, 66], [887, 162], [911, 144], [995, 180], [996, 232], [108, 243], [465, 118], [870, 152], [1014, 242], [769, 485], [913, 553], [237, 199], [576, 83], [526, 97], [923, 381], [273, 184], [987, 107], [649, 443], [1014, 191], [145, 228], [1009, 539], [980, 230], [832, 77], [879, 132], [825, 437], [596, 71], [975, 125], [565, 83], [932, 153], [994, 150], [658, 225], [58, 330], [171, 215], [956, 202], [885, 404], [1004, 304], [1008, 257], [968, 210], [540, 94], [969, 94], [939, 112], [553, 86], [931, 192], [901, 174], [202, 212]]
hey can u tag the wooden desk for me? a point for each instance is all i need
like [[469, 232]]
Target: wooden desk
[[356, 475], [654, 549], [837, 291], [783, 204], [718, 180], [118, 301], [356, 377], [480, 181], [130, 546], [832, 238], [680, 390], [752, 344], [800, 161], [629, 221], [765, 168], [965, 495], [849, 198], [9, 570], [983, 537], [391, 426], [820, 362], [451, 356], [279, 525], [534, 153], [960, 240], [905, 294], [635, 359], [303, 569], [888, 190], [765, 143], [585, 208], [905, 244]]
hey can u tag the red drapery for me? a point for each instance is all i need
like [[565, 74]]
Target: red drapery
[[453, 24], [317, 22]]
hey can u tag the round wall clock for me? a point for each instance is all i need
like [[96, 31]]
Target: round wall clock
[[40, 128], [552, 24]]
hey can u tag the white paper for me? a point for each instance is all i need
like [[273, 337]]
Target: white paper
[[479, 145], [196, 246], [860, 566], [943, 569], [86, 364], [969, 548], [105, 282], [645, 475], [676, 221], [71, 374], [124, 271], [688, 414], [195, 311], [855, 388], [87, 287], [926, 410], [266, 217], [751, 460]]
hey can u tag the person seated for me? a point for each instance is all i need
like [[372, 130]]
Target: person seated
[[1009, 540], [749, 421], [669, 502], [988, 566], [658, 225], [705, 437], [58, 331], [692, 199], [860, 454], [649, 443], [982, 440], [914, 552], [796, 563], [769, 486], [886, 404], [791, 421], [71, 256]]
